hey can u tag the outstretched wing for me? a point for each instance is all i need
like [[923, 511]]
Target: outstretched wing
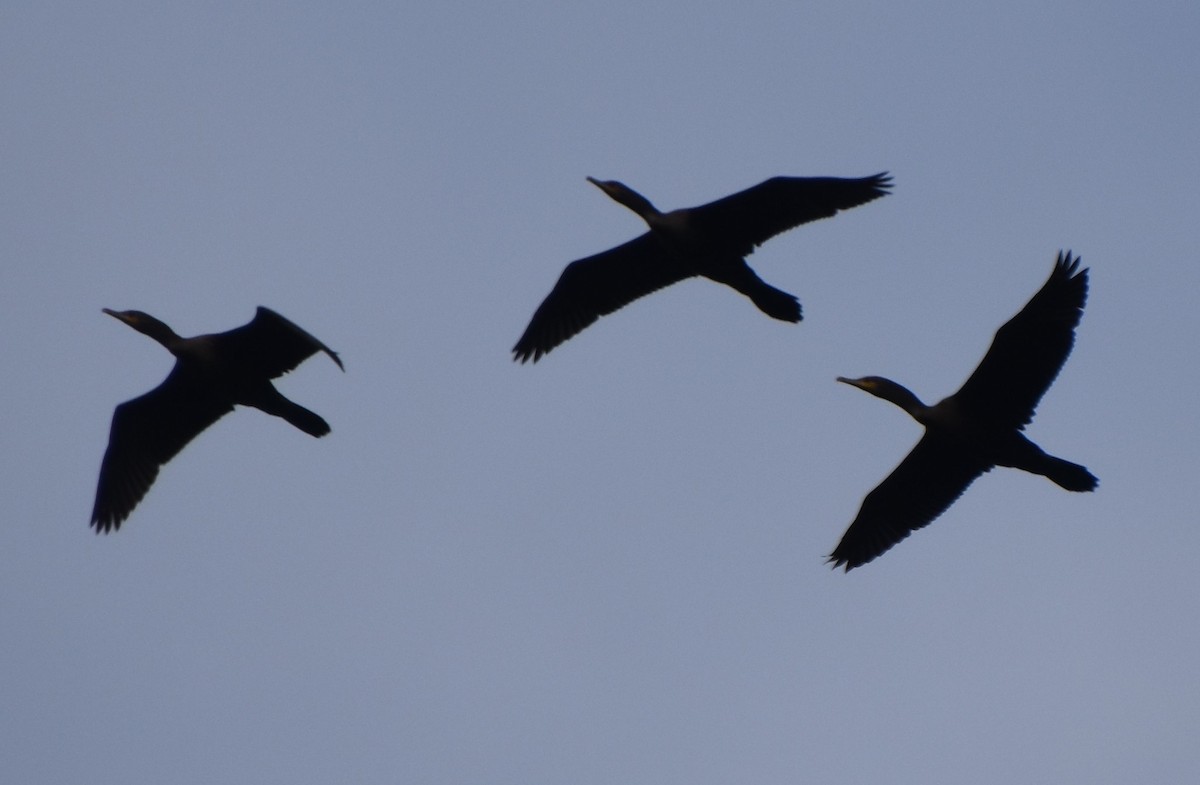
[[1029, 350], [269, 344], [749, 218], [147, 432], [594, 286], [917, 491]]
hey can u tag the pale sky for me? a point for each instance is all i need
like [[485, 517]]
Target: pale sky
[[607, 567]]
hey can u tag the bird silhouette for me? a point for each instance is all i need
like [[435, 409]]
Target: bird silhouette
[[711, 240], [979, 426], [212, 374]]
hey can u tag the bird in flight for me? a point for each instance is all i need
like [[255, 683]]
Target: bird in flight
[[212, 373], [978, 427], [711, 240]]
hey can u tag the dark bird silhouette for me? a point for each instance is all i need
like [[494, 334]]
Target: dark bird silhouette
[[710, 240], [212, 373], [979, 426]]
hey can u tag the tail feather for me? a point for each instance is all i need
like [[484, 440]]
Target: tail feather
[[1070, 476], [776, 303], [773, 302], [309, 422], [271, 401]]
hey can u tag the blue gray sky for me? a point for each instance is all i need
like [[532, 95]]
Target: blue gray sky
[[608, 567]]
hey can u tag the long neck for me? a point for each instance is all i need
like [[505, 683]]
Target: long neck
[[159, 331], [636, 202], [901, 396], [623, 194]]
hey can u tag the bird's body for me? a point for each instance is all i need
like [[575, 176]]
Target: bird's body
[[978, 427], [212, 374], [711, 240]]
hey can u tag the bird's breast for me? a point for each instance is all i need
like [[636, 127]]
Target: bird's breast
[[685, 238]]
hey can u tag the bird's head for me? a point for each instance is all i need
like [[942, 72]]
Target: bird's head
[[144, 323], [869, 383], [889, 391], [131, 318], [623, 194], [610, 187]]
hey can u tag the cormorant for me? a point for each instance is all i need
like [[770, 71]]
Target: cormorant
[[979, 426], [710, 240], [211, 374]]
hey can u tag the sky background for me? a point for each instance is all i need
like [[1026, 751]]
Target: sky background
[[607, 567]]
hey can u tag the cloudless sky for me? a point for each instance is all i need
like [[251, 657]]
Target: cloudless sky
[[607, 567]]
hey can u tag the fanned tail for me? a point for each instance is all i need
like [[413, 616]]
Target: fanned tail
[[1070, 476], [776, 303], [309, 422], [271, 401]]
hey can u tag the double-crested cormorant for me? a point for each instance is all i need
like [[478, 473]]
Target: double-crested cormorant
[[979, 426], [710, 240], [211, 374]]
